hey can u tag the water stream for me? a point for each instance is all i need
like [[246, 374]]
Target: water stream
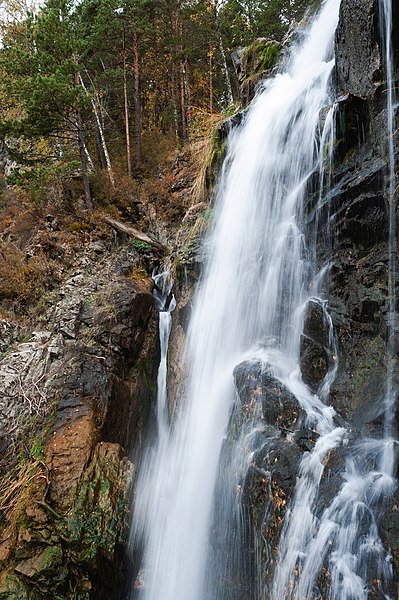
[[261, 272], [391, 391]]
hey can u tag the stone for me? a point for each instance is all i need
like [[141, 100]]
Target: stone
[[316, 356], [263, 396], [358, 59]]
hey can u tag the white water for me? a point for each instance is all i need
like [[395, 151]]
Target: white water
[[250, 304], [148, 481], [345, 537], [165, 305], [391, 391]]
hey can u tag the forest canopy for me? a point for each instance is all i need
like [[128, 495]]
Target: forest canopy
[[81, 84]]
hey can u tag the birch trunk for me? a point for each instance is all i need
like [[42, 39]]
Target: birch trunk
[[101, 132], [137, 103]]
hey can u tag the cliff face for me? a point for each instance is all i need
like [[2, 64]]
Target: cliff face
[[77, 389], [83, 383]]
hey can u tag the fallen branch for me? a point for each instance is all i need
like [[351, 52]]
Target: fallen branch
[[139, 235]]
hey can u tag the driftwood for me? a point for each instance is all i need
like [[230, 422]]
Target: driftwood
[[139, 235]]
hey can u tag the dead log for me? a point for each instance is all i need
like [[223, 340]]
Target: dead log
[[138, 235]]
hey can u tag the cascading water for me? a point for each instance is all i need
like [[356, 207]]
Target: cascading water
[[148, 477], [391, 391], [249, 306], [165, 305]]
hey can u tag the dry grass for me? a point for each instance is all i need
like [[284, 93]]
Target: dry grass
[[22, 278], [26, 481], [203, 133]]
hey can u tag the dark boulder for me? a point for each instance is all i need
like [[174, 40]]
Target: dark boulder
[[263, 396], [316, 356]]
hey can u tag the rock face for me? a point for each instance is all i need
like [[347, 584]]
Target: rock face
[[358, 56], [84, 384], [359, 278], [254, 63]]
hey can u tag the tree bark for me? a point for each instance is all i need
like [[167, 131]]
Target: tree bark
[[126, 105], [183, 96], [139, 235], [83, 160], [175, 103], [137, 102], [99, 150], [184, 131], [223, 55], [101, 132]]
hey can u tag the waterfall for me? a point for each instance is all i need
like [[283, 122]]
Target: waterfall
[[148, 479], [391, 391], [260, 275], [252, 290], [165, 304]]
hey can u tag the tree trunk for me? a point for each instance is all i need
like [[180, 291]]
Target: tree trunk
[[210, 79], [187, 84], [223, 55], [89, 159], [99, 150], [127, 132], [101, 133], [126, 105], [183, 96], [137, 103], [184, 131], [175, 104], [156, 106], [83, 160]]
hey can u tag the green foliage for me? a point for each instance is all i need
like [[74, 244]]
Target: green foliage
[[40, 69], [139, 245], [37, 449], [44, 57]]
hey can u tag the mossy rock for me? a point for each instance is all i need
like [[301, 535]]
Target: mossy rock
[[258, 61], [98, 519], [12, 588]]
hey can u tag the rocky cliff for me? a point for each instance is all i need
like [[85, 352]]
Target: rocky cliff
[[78, 379]]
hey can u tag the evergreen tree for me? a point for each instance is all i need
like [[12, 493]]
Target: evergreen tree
[[41, 67]]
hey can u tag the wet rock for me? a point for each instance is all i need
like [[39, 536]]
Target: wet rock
[[267, 491], [263, 396], [390, 527], [358, 59], [315, 352], [39, 567], [252, 64]]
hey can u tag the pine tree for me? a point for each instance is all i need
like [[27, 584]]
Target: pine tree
[[41, 67]]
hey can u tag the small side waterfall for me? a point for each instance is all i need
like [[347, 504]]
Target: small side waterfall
[[148, 480], [165, 304]]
